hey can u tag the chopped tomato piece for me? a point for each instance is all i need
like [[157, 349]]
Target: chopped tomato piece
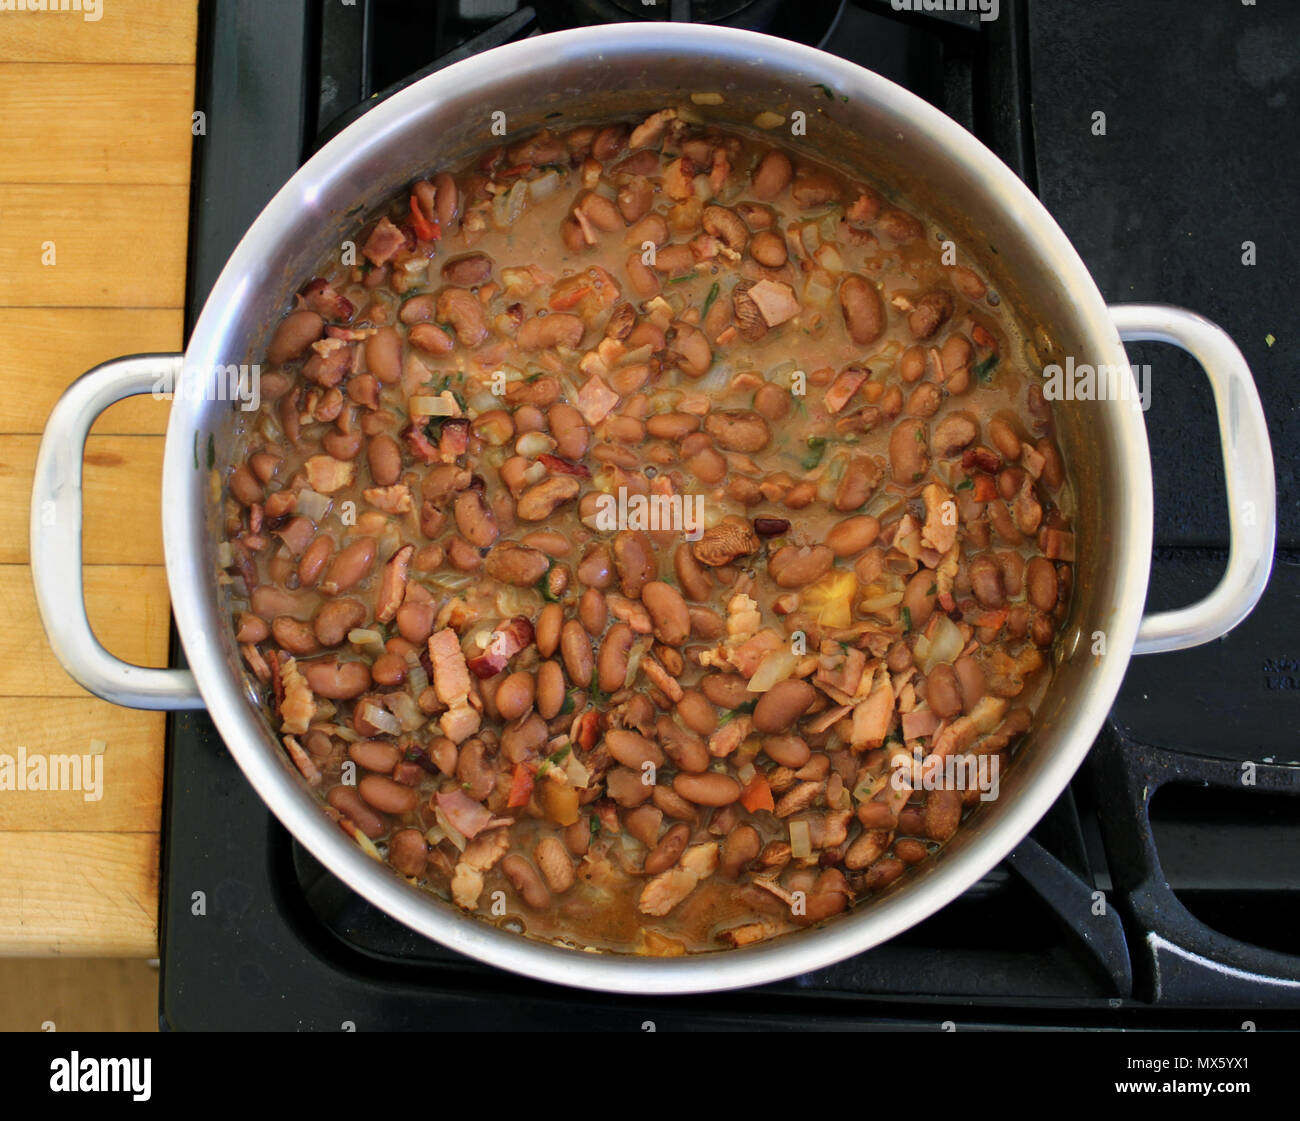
[[757, 795], [425, 229], [521, 787]]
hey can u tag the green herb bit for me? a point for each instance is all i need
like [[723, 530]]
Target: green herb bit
[[708, 300], [907, 620], [984, 368], [816, 449]]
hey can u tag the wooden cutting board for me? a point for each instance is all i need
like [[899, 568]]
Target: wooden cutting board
[[95, 148]]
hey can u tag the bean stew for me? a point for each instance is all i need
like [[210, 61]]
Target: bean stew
[[643, 531]]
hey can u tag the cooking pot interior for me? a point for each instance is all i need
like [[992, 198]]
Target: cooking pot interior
[[562, 84]]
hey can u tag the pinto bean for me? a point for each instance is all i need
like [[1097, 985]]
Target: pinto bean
[[611, 667], [379, 756], [686, 749], [337, 681], [668, 612], [864, 310], [350, 804], [772, 175], [787, 751], [768, 248], [738, 430], [550, 690], [546, 631], [544, 331], [468, 270], [691, 575], [909, 458], [336, 617], [575, 648], [986, 581], [709, 789], [782, 705], [726, 690], [672, 426], [293, 335], [626, 788], [349, 567], [955, 432], [794, 566], [851, 536], [942, 813], [294, 636], [385, 459], [632, 749], [971, 680], [740, 848], [930, 313], [408, 852], [525, 879], [474, 518], [515, 694], [943, 691], [383, 794], [515, 564], [1042, 584], [541, 500], [635, 560], [697, 712], [669, 849]]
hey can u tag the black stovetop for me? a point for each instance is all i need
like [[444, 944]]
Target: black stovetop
[[1107, 915]]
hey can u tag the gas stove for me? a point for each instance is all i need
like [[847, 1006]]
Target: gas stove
[[1163, 888]]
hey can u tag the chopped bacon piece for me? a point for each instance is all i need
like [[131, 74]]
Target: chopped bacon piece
[[507, 640], [871, 717], [298, 706], [327, 474], [383, 243], [320, 297], [392, 500], [596, 400], [418, 442], [587, 731], [919, 723], [454, 440], [844, 387], [302, 761], [981, 459], [776, 301], [1058, 545], [468, 817], [450, 673], [392, 585], [563, 466]]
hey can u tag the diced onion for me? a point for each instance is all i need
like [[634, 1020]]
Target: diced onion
[[381, 718], [800, 840], [312, 505], [944, 645], [225, 555], [419, 680], [454, 835], [768, 119], [707, 98], [544, 185], [362, 636], [745, 773], [442, 405], [406, 711], [775, 667], [533, 444], [881, 603]]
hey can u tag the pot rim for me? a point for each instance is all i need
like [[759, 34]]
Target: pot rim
[[281, 788]]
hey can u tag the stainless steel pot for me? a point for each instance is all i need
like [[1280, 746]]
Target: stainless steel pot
[[871, 125]]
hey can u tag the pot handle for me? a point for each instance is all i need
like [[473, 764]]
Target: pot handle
[[56, 538], [1247, 470]]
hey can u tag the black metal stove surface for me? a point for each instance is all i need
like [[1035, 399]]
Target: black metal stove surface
[[1161, 890]]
